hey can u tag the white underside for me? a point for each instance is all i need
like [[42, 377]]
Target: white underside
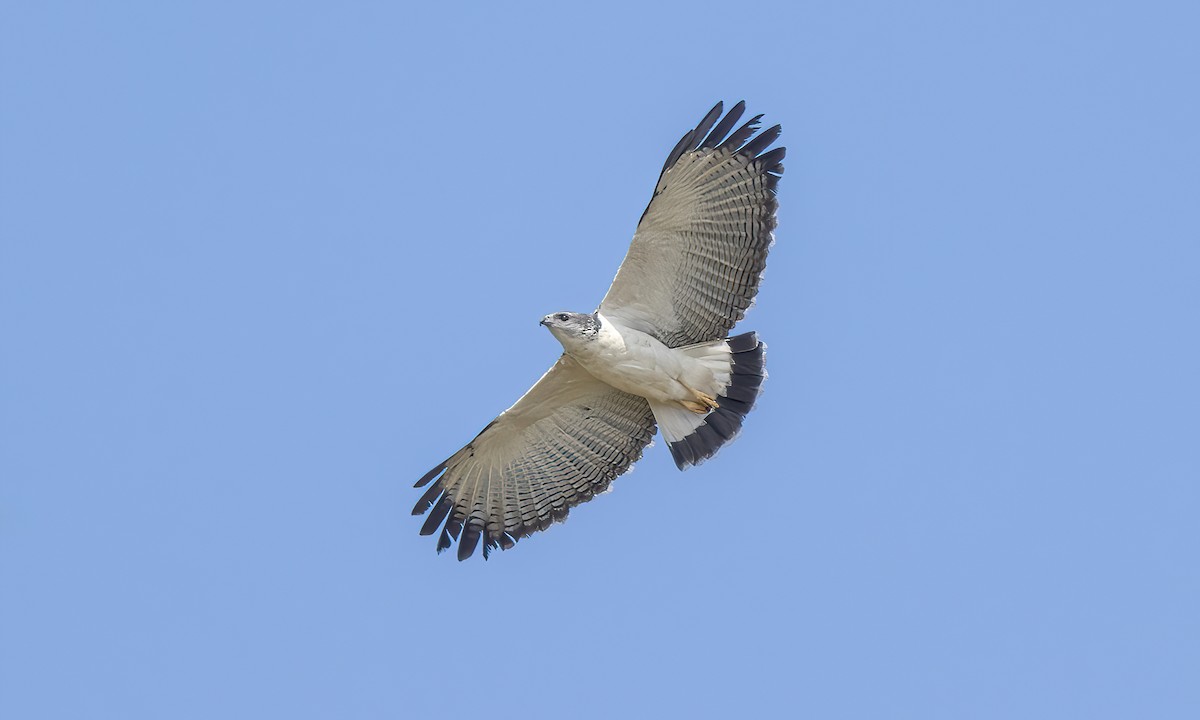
[[637, 363]]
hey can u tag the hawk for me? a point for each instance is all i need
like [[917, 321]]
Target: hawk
[[656, 353]]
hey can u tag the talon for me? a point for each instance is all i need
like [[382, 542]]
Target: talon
[[702, 403]]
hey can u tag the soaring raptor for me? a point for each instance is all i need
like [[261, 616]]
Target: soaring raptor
[[656, 351]]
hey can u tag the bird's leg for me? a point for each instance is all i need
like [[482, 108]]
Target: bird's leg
[[702, 404]]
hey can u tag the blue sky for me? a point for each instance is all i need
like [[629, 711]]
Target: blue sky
[[264, 264]]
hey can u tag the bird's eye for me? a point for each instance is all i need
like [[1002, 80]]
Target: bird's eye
[[561, 316]]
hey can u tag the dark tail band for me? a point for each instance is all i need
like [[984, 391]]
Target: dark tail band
[[723, 424]]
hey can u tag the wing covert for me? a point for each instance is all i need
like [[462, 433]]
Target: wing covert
[[699, 251], [558, 446]]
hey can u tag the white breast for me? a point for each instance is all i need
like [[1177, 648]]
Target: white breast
[[637, 363]]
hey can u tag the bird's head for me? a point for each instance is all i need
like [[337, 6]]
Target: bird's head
[[570, 326]]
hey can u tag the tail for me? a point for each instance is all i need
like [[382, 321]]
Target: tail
[[742, 368]]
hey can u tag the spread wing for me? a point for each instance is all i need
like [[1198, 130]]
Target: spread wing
[[701, 246], [561, 444]]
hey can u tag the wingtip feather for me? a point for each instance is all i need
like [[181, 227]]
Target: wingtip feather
[[431, 474], [468, 542]]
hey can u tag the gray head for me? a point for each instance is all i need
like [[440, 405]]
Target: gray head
[[583, 326]]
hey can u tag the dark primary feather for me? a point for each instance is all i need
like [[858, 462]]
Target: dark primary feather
[[430, 475], [722, 129], [758, 143], [735, 141], [436, 515], [694, 137]]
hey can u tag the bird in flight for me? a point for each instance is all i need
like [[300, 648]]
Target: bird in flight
[[657, 352]]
